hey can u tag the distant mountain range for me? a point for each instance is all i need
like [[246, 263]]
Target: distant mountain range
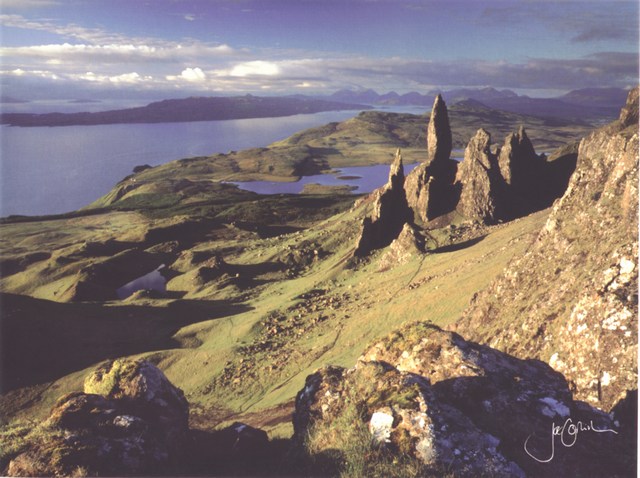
[[589, 103], [188, 109], [585, 105]]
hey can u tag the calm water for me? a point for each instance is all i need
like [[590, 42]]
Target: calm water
[[365, 179], [154, 280], [53, 170]]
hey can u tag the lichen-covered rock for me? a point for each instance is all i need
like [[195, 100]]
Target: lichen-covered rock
[[462, 407], [130, 420], [480, 180], [572, 300], [390, 212], [143, 388]]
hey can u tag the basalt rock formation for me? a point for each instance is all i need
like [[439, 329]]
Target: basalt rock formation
[[462, 407], [480, 181], [512, 182], [572, 299], [439, 142], [430, 190], [390, 212], [523, 172]]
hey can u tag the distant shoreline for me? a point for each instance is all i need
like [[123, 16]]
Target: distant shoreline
[[186, 110]]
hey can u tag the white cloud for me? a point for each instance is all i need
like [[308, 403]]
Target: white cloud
[[258, 67], [190, 17], [193, 74], [25, 4], [125, 78]]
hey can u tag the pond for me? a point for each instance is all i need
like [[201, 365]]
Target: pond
[[153, 280]]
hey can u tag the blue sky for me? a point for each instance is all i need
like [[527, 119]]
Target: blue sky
[[57, 49]]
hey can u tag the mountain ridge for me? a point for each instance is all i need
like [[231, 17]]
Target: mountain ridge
[[210, 108]]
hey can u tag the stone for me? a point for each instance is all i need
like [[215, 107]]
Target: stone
[[629, 113], [408, 244], [429, 187], [129, 421], [463, 407], [439, 138], [480, 181], [390, 212], [517, 159], [572, 298]]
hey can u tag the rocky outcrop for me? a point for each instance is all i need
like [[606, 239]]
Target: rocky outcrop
[[512, 182], [430, 189], [572, 299], [517, 158], [462, 407], [408, 244], [390, 212], [129, 420], [480, 181], [531, 183]]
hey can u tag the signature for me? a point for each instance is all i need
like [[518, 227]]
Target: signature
[[568, 434]]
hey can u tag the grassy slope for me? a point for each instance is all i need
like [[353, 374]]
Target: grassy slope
[[241, 344], [211, 343]]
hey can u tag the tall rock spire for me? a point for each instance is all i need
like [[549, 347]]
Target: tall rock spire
[[439, 139], [430, 190]]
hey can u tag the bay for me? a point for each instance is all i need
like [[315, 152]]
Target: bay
[[51, 170]]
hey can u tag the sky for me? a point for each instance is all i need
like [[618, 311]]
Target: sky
[[133, 49]]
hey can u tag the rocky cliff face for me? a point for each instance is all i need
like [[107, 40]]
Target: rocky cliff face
[[462, 407], [572, 299], [390, 212]]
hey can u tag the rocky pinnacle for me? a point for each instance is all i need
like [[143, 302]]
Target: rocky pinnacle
[[439, 141]]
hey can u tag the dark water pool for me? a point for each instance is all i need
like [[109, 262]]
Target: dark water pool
[[153, 280]]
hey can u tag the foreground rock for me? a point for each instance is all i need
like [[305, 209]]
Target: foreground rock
[[462, 407], [129, 420], [572, 299]]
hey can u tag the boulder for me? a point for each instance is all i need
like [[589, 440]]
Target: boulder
[[462, 407], [143, 389], [129, 421]]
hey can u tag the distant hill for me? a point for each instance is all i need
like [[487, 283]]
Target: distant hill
[[187, 109], [604, 97], [585, 104]]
